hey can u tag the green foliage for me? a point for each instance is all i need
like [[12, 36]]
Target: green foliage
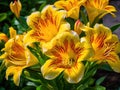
[[3, 16], [115, 27]]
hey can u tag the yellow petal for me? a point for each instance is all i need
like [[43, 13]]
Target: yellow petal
[[98, 35], [31, 59], [3, 37], [74, 13], [28, 40], [3, 56], [114, 62], [74, 74], [98, 8], [12, 32], [50, 70], [47, 24], [71, 6], [115, 43], [16, 72]]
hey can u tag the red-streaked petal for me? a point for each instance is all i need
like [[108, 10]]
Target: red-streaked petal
[[75, 73], [50, 70], [114, 61]]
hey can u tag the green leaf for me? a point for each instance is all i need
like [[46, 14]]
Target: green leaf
[[1, 88], [96, 88], [82, 87], [33, 76], [42, 87], [83, 16], [105, 67], [71, 22], [100, 80], [29, 88], [99, 88], [113, 28], [42, 5], [3, 16], [23, 23]]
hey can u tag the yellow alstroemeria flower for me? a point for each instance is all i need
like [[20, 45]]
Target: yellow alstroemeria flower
[[71, 6], [46, 25], [105, 45], [16, 56], [3, 37], [16, 7], [98, 8], [66, 56]]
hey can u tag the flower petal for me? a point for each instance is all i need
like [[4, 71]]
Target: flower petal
[[71, 6], [16, 72], [12, 32], [98, 8], [74, 74], [114, 62], [50, 70]]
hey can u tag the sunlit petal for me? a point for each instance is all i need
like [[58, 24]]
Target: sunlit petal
[[12, 32], [71, 6], [16, 56], [50, 70], [98, 8], [16, 72], [46, 25], [105, 45], [74, 74], [114, 61], [66, 53], [3, 37]]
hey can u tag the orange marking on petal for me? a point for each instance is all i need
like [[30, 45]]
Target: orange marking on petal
[[78, 50], [56, 54], [100, 40], [111, 58], [72, 45], [66, 44], [59, 49]]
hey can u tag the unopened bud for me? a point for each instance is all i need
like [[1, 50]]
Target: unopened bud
[[16, 7], [77, 26]]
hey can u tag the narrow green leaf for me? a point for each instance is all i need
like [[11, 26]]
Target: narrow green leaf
[[100, 80], [82, 87], [29, 88], [42, 6], [96, 88], [42, 87], [3, 16], [83, 16], [99, 88], [113, 28]]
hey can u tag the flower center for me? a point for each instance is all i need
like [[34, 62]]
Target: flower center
[[68, 59]]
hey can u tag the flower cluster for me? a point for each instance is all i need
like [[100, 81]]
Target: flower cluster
[[70, 35]]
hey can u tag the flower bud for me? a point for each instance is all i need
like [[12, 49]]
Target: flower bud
[[3, 37], [16, 7], [77, 26]]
